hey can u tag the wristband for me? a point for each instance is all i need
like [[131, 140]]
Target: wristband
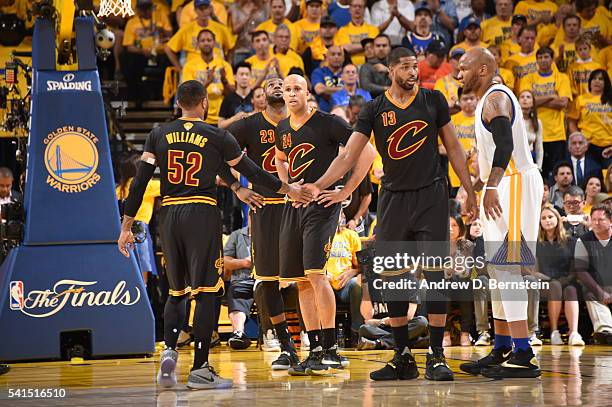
[[492, 188]]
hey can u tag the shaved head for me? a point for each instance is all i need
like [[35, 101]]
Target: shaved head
[[295, 93], [477, 67]]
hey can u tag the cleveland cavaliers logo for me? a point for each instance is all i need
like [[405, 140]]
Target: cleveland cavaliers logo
[[71, 158], [299, 152], [410, 129], [268, 163], [219, 265]]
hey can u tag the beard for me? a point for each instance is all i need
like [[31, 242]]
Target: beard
[[273, 100], [406, 84]]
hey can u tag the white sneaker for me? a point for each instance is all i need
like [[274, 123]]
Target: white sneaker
[[484, 339], [555, 338], [534, 340], [270, 343], [575, 339], [304, 341]]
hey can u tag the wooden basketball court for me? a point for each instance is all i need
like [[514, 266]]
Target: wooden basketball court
[[571, 376]]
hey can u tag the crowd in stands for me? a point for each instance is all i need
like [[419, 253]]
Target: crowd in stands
[[555, 55]]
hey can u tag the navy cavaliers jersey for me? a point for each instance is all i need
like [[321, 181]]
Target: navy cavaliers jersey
[[189, 154], [406, 137], [256, 134], [312, 147]]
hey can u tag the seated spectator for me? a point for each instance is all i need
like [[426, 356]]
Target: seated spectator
[[315, 53], [575, 221], [374, 74], [470, 30], [326, 80], [349, 88], [449, 85], [237, 104], [564, 178], [533, 125], [186, 38], [580, 69], [498, 28], [593, 258], [143, 40], [582, 165], [263, 64], [592, 187], [394, 18], [278, 11], [287, 58], [592, 115], [554, 263], [595, 22], [552, 93], [308, 27], [349, 37], [434, 66], [565, 46], [237, 263], [214, 73], [522, 62], [342, 270], [7, 193], [419, 38], [245, 16]]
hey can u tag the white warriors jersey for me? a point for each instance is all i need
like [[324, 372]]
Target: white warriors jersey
[[521, 160]]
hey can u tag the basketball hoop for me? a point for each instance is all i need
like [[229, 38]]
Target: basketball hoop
[[121, 8]]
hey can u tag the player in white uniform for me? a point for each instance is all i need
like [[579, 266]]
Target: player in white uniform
[[510, 214]]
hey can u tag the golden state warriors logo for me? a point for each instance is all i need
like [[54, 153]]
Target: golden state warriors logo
[[411, 129], [71, 158]]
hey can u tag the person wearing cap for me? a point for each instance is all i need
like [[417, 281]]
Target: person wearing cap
[[419, 38], [478, 12], [186, 38], [538, 12], [326, 80], [308, 27], [374, 74], [213, 72], [444, 18], [350, 36], [142, 42], [524, 62], [511, 46], [278, 10], [434, 66], [339, 11], [287, 58], [449, 85], [186, 12], [315, 53], [498, 28], [394, 18], [470, 27]]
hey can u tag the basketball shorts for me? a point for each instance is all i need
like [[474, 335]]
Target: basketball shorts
[[511, 239], [305, 240], [265, 230], [193, 248], [420, 216]]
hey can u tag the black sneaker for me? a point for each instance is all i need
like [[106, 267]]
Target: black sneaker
[[238, 341], [285, 361], [496, 357], [333, 359], [401, 367], [522, 364], [312, 365], [436, 367]]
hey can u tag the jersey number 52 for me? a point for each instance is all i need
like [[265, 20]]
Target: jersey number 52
[[184, 171]]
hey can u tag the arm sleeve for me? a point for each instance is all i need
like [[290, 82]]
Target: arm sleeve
[[442, 110], [365, 121], [502, 137], [340, 130], [138, 187], [225, 173], [230, 149]]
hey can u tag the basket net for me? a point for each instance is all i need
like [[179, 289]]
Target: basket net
[[121, 8]]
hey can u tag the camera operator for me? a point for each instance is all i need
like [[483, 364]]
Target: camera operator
[[7, 193]]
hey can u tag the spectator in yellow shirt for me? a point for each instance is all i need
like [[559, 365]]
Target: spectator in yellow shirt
[[565, 49], [264, 64], [287, 58], [511, 46], [595, 23], [349, 37], [214, 73], [278, 10], [552, 93], [538, 12], [470, 27], [523, 63], [145, 254], [307, 28], [315, 53], [464, 126], [592, 115], [186, 39], [142, 40], [342, 270], [187, 13], [498, 28], [580, 70], [449, 84], [505, 74]]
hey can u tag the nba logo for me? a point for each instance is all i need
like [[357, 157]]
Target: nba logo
[[16, 295]]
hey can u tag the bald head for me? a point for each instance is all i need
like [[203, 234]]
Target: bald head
[[477, 67], [295, 93]]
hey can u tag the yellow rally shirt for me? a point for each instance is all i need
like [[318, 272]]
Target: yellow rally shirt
[[495, 31], [449, 87], [594, 119], [352, 34], [521, 65], [186, 39], [305, 31], [533, 9], [139, 32], [578, 73], [342, 255], [464, 126], [145, 212], [269, 27]]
